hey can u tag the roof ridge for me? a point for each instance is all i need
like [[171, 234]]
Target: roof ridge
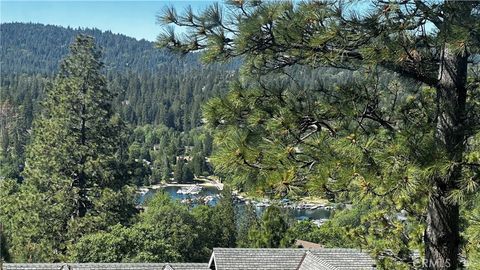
[[318, 260], [301, 261]]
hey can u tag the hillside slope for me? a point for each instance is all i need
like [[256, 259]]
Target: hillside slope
[[153, 86]]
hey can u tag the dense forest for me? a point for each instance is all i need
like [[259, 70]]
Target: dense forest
[[73, 151], [374, 107], [407, 147], [159, 94]]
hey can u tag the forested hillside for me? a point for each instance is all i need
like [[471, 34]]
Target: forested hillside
[[153, 86], [374, 106], [73, 148], [158, 94], [39, 49]]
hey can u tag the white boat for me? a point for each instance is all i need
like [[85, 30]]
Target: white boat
[[208, 199], [143, 191], [262, 204], [319, 222], [190, 190]]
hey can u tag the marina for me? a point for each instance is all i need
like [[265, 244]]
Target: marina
[[209, 195], [194, 190]]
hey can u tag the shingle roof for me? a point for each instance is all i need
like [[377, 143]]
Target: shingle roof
[[311, 262], [104, 266], [189, 266], [236, 259], [306, 244], [345, 259], [290, 259], [264, 258]]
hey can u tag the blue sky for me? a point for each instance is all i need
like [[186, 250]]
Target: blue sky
[[132, 18]]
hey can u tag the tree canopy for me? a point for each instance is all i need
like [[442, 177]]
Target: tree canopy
[[73, 181], [400, 130]]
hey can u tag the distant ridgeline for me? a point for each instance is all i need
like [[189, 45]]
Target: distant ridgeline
[[153, 86], [159, 95], [38, 48]]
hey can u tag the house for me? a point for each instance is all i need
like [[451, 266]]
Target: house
[[306, 244], [105, 266], [290, 259], [237, 259]]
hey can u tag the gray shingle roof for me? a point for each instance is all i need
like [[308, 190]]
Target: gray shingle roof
[[290, 259], [264, 258], [104, 266], [189, 266], [345, 259], [236, 259], [311, 262]]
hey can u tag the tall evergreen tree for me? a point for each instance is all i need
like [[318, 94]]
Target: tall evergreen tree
[[224, 220], [178, 171], [408, 141], [271, 230], [187, 174], [72, 182], [247, 221]]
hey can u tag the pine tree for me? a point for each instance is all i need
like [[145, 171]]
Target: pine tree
[[187, 174], [247, 221], [73, 184], [400, 128], [178, 171], [224, 220], [271, 230]]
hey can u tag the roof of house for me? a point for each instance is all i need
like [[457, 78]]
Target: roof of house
[[311, 262], [290, 259], [187, 266], [306, 244], [236, 259], [345, 259], [105, 266], [248, 258]]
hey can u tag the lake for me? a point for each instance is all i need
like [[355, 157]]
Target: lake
[[211, 193]]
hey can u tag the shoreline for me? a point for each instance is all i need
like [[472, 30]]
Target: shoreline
[[310, 201], [219, 186]]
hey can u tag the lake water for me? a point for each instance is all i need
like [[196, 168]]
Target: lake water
[[316, 214]]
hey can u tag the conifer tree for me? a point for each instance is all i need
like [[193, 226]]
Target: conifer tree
[[271, 231], [401, 129], [224, 220], [247, 221], [178, 171], [73, 181]]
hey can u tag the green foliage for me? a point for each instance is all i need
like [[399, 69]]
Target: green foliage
[[14, 122], [73, 184], [271, 230], [337, 232], [247, 221], [206, 230], [187, 174], [123, 244], [165, 231], [390, 130], [151, 86], [473, 235], [178, 172], [224, 220]]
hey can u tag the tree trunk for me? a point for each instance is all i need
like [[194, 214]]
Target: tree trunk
[[442, 237]]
